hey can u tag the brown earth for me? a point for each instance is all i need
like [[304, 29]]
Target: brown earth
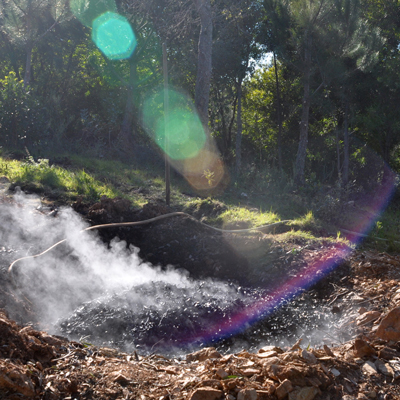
[[365, 290]]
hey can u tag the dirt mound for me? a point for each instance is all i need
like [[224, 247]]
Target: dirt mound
[[34, 365], [358, 362], [179, 241]]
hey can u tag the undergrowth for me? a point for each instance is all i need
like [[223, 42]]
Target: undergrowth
[[251, 203]]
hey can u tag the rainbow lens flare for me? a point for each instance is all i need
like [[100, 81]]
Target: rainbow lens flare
[[113, 35], [306, 277]]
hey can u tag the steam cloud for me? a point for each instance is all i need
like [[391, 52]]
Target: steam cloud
[[85, 283]]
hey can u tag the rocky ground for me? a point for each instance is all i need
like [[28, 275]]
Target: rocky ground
[[359, 357]]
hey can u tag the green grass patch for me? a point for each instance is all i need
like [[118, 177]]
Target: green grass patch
[[301, 237], [306, 223], [39, 176], [385, 232], [66, 177], [241, 217]]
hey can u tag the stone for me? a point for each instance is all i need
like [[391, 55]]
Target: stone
[[389, 328], [306, 393], [283, 389], [247, 394], [384, 368], [268, 349], [221, 373], [269, 361], [369, 368], [203, 354], [309, 357], [267, 354], [335, 372], [362, 349], [250, 372], [206, 393]]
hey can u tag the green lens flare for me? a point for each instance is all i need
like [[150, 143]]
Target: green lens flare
[[113, 35], [181, 134], [86, 11]]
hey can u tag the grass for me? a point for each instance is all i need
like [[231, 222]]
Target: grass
[[305, 237], [385, 232], [41, 177], [242, 217], [308, 222], [67, 177]]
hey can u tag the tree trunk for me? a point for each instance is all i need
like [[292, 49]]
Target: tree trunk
[[299, 178], [125, 133], [346, 149], [339, 168], [278, 112], [204, 66], [239, 129], [29, 45]]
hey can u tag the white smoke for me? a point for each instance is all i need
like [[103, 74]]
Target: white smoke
[[81, 269], [84, 268]]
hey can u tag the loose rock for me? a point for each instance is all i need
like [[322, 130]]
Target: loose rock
[[247, 394], [306, 393], [206, 393], [284, 389], [389, 328]]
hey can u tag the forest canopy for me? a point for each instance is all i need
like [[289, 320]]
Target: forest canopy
[[308, 89]]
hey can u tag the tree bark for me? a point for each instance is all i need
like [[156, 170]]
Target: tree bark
[[239, 129], [299, 177], [278, 112], [339, 168], [346, 147], [204, 66], [125, 134], [29, 45]]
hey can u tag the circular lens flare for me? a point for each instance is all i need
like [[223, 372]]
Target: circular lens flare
[[113, 35], [180, 134], [205, 171]]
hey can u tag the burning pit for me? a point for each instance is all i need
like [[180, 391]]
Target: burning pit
[[104, 293]]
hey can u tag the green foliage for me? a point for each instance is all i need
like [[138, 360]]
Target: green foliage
[[260, 124], [306, 223], [205, 208], [76, 99], [42, 177], [241, 217], [20, 113]]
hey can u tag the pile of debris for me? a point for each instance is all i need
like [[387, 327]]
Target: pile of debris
[[35, 365]]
